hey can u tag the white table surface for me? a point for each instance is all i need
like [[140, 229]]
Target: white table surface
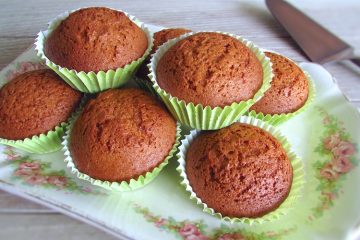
[[21, 20]]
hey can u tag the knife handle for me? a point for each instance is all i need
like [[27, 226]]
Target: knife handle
[[356, 61]]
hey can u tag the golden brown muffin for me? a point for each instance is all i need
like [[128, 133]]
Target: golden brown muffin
[[95, 39], [239, 171], [211, 69], [289, 88], [160, 38], [35, 102], [121, 134], [165, 35]]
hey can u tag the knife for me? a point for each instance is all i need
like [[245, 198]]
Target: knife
[[318, 44]]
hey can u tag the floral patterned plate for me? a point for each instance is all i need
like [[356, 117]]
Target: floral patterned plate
[[326, 137]]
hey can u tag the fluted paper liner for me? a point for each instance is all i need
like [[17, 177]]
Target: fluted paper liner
[[146, 85], [207, 118], [296, 187], [122, 186], [92, 82], [277, 119], [43, 143]]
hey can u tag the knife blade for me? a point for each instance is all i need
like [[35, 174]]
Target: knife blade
[[319, 44]]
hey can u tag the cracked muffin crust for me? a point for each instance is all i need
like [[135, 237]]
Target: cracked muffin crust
[[211, 69], [35, 102], [95, 39], [239, 171], [165, 35], [289, 88], [121, 134], [160, 38]]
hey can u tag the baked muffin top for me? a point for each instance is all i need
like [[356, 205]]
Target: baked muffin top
[[289, 88], [165, 35], [160, 38], [35, 102], [121, 134], [95, 39], [239, 171], [211, 69]]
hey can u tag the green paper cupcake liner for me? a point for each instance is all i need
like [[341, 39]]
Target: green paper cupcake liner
[[207, 118], [146, 86], [296, 188], [123, 186], [43, 143], [277, 119], [92, 82]]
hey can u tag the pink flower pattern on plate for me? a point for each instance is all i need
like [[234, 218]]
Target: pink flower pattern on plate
[[342, 164], [39, 173], [27, 169], [340, 154], [332, 141], [35, 179], [58, 181], [160, 222], [343, 149], [23, 172], [32, 166], [329, 173], [196, 230], [191, 232]]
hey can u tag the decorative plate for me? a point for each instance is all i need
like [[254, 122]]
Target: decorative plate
[[326, 137]]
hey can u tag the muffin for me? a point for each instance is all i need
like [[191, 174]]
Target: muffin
[[121, 135], [164, 35], [160, 38], [239, 171], [95, 39], [289, 89], [35, 102], [211, 69]]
